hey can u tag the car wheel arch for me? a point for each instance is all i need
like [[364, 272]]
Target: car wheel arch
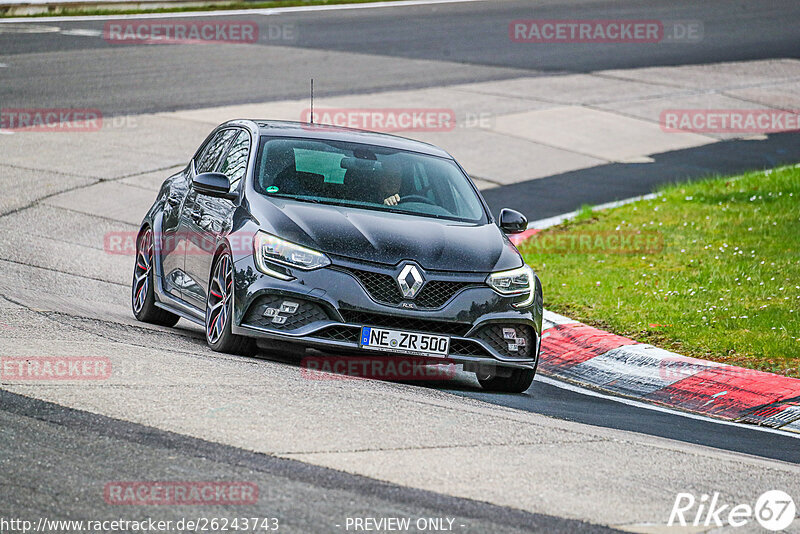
[[222, 247]]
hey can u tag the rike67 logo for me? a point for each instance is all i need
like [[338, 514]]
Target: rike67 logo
[[774, 510]]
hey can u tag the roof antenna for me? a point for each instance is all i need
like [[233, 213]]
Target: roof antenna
[[312, 100]]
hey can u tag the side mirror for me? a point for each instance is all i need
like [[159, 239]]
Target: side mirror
[[213, 184], [512, 221]]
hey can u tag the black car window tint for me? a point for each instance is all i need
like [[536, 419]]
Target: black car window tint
[[208, 160]]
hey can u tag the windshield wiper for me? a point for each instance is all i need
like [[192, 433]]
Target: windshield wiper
[[300, 199]]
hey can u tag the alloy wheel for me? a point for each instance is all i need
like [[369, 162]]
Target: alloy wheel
[[141, 274], [219, 293]]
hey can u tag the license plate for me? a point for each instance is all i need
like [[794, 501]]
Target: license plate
[[405, 342]]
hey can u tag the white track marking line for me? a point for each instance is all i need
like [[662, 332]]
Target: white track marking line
[[229, 12], [82, 32], [541, 224], [647, 406]]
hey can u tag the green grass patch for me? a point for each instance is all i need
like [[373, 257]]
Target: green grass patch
[[709, 269], [89, 10], [584, 213]]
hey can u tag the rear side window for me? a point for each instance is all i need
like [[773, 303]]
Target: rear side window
[[209, 158], [235, 163]]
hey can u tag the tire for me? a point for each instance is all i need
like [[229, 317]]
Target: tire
[[143, 298], [519, 381], [219, 311]]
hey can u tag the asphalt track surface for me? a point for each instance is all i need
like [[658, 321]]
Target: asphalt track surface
[[95, 449], [60, 64], [551, 400], [363, 51]]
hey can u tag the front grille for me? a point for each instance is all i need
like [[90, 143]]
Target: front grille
[[405, 323], [307, 312], [383, 288], [460, 347], [340, 333], [493, 334], [436, 293]]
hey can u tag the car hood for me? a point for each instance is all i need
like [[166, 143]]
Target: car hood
[[388, 238]]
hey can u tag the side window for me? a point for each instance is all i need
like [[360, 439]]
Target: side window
[[235, 164], [207, 161]]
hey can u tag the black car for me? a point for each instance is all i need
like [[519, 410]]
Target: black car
[[340, 240]]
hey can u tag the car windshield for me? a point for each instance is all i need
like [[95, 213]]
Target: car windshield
[[366, 176]]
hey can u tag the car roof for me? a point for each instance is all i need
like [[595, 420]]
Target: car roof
[[305, 130]]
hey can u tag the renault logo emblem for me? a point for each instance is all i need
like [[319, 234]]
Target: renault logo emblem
[[410, 281]]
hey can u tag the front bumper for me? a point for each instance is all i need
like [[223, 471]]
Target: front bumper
[[333, 303]]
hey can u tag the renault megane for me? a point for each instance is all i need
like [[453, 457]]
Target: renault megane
[[339, 239]]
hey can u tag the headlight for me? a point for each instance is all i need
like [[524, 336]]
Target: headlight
[[514, 282], [271, 249]]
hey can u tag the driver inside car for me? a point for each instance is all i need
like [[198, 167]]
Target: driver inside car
[[390, 183]]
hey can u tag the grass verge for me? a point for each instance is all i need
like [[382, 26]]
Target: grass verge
[[709, 269], [89, 10]]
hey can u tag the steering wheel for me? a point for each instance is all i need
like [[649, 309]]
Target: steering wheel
[[419, 198]]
